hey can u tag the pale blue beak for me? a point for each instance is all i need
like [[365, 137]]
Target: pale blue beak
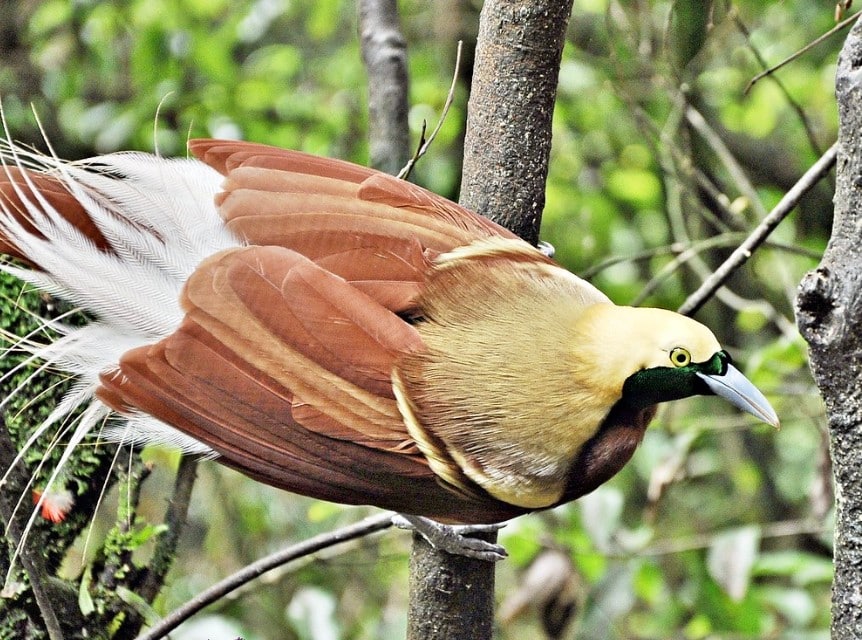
[[738, 391]]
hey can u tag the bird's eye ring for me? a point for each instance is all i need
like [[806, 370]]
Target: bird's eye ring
[[680, 357]]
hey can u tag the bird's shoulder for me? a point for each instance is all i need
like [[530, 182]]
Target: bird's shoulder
[[503, 279]]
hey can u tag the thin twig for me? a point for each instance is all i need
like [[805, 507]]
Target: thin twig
[[672, 180], [29, 557], [838, 27], [728, 239], [797, 108], [725, 219], [737, 173], [678, 261], [259, 567], [384, 53], [742, 253], [423, 143], [739, 303], [685, 256]]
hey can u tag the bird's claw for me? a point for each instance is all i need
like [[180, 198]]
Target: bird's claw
[[454, 539]]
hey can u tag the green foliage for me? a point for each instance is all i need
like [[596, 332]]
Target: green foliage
[[86, 475], [630, 179]]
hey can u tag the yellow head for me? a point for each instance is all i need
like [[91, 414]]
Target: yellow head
[[646, 356]]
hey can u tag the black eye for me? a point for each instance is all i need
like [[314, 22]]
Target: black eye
[[680, 357]]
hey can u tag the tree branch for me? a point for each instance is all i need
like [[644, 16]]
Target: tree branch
[[744, 251], [451, 597], [175, 519], [425, 143], [512, 97], [259, 567], [838, 27]]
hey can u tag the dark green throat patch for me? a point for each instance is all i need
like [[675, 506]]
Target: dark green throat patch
[[663, 384]]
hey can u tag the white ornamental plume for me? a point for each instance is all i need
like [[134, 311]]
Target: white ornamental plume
[[159, 218]]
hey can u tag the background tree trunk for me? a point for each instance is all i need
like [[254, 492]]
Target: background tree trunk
[[829, 314], [384, 53]]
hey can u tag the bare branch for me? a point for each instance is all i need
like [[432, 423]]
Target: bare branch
[[696, 120], [175, 519], [685, 250], [424, 143], [794, 104], [838, 27], [258, 568], [744, 251]]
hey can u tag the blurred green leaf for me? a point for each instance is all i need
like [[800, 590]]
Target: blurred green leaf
[[800, 567]]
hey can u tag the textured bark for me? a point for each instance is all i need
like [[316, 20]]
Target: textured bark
[[506, 153], [508, 139], [829, 313], [451, 597]]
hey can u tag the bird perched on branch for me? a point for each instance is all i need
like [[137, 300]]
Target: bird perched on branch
[[336, 332]]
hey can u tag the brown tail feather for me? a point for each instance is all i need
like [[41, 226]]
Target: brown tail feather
[[15, 188]]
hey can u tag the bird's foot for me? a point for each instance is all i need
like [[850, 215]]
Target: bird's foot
[[454, 539]]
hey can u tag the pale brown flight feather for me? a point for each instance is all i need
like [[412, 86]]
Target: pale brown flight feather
[[226, 155]]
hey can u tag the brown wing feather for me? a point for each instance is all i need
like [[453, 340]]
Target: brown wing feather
[[331, 345], [206, 390], [283, 369], [376, 231], [284, 170], [383, 189], [226, 155]]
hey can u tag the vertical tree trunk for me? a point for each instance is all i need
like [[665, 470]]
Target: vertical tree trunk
[[518, 53], [506, 151], [829, 313], [451, 597]]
